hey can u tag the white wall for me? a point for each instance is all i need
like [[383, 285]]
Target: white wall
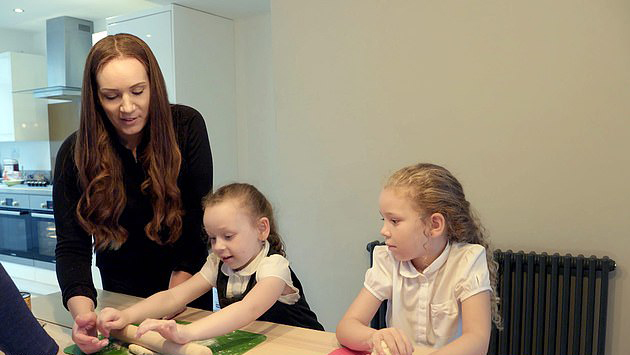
[[32, 155], [255, 112], [527, 103]]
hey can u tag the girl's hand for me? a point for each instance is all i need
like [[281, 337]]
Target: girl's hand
[[169, 329], [84, 333], [395, 340], [111, 318]]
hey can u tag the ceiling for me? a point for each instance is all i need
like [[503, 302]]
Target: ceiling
[[33, 19]]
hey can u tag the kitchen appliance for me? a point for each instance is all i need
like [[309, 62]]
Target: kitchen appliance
[[27, 226], [36, 182], [68, 41], [10, 169], [43, 230], [15, 226]]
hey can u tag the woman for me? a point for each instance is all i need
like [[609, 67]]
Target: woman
[[129, 183]]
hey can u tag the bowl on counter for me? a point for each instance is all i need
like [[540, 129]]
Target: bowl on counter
[[13, 182]]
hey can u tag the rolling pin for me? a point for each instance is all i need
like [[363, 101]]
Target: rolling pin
[[154, 341]]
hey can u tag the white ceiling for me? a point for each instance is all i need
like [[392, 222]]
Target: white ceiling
[[33, 19]]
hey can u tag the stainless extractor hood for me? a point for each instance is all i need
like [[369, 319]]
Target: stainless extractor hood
[[68, 41]]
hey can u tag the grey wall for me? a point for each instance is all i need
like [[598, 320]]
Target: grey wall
[[525, 102]]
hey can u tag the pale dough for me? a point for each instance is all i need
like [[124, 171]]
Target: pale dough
[[385, 349], [139, 350]]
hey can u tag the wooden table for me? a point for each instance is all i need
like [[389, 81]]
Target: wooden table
[[281, 339]]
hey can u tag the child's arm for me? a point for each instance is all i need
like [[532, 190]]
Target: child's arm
[[476, 318], [237, 315], [155, 306], [353, 330]]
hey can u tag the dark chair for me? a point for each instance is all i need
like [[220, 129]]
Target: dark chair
[[378, 321]]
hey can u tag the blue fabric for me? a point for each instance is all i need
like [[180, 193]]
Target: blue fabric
[[20, 333]]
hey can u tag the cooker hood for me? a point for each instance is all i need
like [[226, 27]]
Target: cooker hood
[[68, 41]]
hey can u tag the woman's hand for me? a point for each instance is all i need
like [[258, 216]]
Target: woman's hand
[[169, 329], [111, 318], [395, 340], [84, 333]]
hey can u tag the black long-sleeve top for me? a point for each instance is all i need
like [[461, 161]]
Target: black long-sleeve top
[[140, 267], [20, 333]]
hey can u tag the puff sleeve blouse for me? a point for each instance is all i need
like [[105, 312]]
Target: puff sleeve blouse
[[426, 305]]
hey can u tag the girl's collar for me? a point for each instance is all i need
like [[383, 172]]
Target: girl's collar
[[408, 270], [251, 268]]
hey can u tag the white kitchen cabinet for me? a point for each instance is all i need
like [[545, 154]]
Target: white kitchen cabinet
[[22, 117], [195, 51]]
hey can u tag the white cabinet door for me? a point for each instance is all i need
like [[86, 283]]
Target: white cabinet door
[[30, 117], [157, 31], [6, 98], [22, 116]]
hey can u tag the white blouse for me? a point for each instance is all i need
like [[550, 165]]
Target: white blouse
[[264, 266], [426, 305]]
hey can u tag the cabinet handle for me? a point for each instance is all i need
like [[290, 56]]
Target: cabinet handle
[[43, 215], [10, 213]]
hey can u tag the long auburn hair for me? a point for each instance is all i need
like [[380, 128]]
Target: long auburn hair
[[254, 202], [100, 168], [433, 189]]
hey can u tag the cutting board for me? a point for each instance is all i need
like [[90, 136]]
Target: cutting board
[[235, 343]]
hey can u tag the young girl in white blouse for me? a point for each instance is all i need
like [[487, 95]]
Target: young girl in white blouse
[[434, 271], [247, 266]]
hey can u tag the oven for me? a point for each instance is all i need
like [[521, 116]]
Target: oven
[[43, 232], [15, 226]]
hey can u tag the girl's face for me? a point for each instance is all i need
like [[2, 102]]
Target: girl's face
[[403, 228], [234, 237], [124, 93]]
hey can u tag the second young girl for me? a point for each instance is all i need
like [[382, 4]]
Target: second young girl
[[434, 271], [247, 266]]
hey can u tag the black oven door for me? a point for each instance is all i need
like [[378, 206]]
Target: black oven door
[[15, 237], [44, 235]]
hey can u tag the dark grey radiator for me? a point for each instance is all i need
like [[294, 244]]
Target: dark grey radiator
[[551, 304]]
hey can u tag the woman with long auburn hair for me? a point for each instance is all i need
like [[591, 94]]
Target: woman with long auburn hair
[[128, 185]]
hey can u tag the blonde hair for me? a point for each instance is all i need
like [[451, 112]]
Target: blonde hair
[[433, 189], [256, 204]]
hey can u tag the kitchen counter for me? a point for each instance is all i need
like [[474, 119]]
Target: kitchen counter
[[26, 190]]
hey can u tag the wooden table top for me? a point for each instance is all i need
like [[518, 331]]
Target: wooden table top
[[281, 339]]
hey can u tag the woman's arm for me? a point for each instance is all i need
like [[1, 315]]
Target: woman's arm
[[80, 305], [195, 181], [85, 324], [73, 252], [476, 318], [237, 315]]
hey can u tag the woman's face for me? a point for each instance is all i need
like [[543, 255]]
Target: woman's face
[[124, 93]]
